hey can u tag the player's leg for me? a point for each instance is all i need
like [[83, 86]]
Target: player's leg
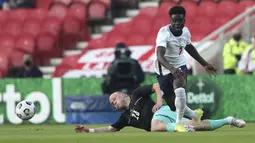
[[165, 83], [209, 125], [159, 126], [164, 121], [179, 85], [170, 101], [194, 114]]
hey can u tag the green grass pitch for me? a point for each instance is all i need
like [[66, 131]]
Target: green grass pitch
[[66, 134]]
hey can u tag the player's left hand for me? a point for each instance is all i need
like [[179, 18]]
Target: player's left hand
[[156, 107], [80, 128], [210, 69]]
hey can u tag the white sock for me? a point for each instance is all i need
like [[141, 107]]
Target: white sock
[[229, 119], [180, 103], [190, 113]]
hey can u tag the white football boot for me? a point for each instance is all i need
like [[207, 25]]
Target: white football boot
[[239, 123]]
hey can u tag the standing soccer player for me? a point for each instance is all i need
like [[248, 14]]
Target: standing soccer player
[[170, 63]]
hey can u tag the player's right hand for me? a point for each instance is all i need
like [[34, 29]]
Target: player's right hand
[[80, 128], [210, 69], [177, 73]]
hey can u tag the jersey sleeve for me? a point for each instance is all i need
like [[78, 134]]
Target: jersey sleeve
[[188, 36], [161, 38], [144, 91], [121, 123]]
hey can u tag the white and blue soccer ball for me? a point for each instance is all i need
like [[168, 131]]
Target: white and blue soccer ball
[[25, 110]]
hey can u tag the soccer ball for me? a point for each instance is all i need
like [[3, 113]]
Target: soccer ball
[[25, 110]]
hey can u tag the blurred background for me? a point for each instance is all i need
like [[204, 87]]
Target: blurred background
[[74, 53]]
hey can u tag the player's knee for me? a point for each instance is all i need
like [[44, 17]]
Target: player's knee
[[179, 82], [155, 126]]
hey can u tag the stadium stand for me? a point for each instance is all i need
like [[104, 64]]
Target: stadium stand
[[133, 33]]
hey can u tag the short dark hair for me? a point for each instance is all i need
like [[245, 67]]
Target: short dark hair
[[177, 10]]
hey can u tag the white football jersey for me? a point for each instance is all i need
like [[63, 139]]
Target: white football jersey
[[175, 47]]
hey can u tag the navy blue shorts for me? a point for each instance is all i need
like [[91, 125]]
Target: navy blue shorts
[[166, 82]]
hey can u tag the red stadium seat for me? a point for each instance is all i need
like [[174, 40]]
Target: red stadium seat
[[46, 43], [4, 16], [16, 58], [78, 4], [52, 25], [82, 1], [207, 8], [1, 25], [202, 20], [71, 25], [43, 4], [215, 26], [20, 14], [149, 11], [7, 44], [123, 28], [72, 28], [26, 43], [58, 10], [47, 47], [98, 43], [164, 8], [228, 8], [191, 8], [39, 14], [96, 10], [171, 1], [244, 4], [66, 2], [32, 26], [106, 2], [188, 22], [4, 63], [221, 20], [201, 29], [159, 22], [136, 39], [74, 24], [142, 24], [78, 12], [112, 40], [2, 74], [152, 39], [12, 27]]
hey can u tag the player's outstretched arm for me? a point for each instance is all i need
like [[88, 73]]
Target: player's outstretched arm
[[85, 129], [117, 126], [193, 53], [162, 60], [159, 103]]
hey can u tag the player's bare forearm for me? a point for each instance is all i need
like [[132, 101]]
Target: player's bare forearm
[[85, 129], [156, 89], [194, 53], [105, 129], [161, 58]]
